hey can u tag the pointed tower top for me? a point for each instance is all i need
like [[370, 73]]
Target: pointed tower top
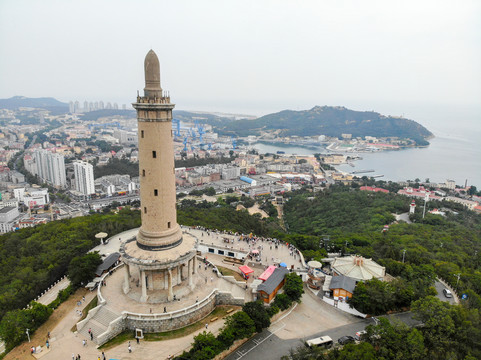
[[152, 75]]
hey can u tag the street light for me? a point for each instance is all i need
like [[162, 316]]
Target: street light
[[426, 198], [457, 282], [404, 253], [28, 335]]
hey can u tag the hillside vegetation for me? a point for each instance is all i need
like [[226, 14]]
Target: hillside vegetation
[[435, 246], [330, 121]]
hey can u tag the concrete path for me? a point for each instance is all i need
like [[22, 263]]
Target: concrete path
[[403, 217], [52, 293]]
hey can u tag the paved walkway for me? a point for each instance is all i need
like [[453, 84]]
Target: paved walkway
[[52, 293], [64, 343]]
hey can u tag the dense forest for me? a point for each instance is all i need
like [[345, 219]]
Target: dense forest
[[31, 259], [347, 220], [330, 121]]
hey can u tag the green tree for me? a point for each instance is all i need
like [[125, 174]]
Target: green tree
[[241, 324], [205, 346], [283, 301], [372, 297], [258, 313], [81, 269], [438, 326], [210, 191], [294, 287]]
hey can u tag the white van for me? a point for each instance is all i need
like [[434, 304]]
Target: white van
[[323, 341]]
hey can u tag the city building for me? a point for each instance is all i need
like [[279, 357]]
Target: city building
[[8, 215], [84, 178], [50, 167]]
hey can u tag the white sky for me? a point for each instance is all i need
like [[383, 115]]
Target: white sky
[[246, 56]]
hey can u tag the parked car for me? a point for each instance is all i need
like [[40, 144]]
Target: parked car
[[359, 335], [346, 340], [447, 293]]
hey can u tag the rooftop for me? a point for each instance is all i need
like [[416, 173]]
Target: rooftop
[[358, 268]]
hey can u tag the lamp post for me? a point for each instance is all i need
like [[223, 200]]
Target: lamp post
[[426, 198], [457, 282], [404, 253], [28, 335]]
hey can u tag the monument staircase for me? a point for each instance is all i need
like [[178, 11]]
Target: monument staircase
[[98, 323]]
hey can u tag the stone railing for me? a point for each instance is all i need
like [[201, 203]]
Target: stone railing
[[45, 292], [171, 320], [101, 299], [172, 314], [90, 315]]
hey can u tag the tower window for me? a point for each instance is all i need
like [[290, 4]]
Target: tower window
[[142, 134], [156, 192], [154, 154], [168, 224], [145, 210], [143, 172]]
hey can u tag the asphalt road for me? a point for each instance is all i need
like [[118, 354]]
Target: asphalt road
[[439, 288], [267, 345]]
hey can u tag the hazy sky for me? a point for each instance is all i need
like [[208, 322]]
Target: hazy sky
[[246, 56]]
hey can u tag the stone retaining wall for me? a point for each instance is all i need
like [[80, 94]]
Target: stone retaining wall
[[170, 321], [114, 328]]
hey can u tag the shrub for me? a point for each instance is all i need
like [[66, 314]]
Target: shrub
[[273, 309], [257, 312], [282, 301]]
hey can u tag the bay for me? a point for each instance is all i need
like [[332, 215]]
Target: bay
[[454, 153]]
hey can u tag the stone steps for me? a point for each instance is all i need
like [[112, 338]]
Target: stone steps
[[98, 323], [105, 316]]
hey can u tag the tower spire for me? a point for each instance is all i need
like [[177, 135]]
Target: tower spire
[[152, 76]]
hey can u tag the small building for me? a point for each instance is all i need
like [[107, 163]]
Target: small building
[[267, 273], [269, 288], [108, 263], [342, 286]]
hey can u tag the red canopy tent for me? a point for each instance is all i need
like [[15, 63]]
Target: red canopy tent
[[268, 272], [245, 271]]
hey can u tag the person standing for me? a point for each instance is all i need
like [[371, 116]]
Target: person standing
[[130, 348], [103, 356]]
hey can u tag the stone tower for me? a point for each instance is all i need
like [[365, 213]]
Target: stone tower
[[160, 261], [159, 228]]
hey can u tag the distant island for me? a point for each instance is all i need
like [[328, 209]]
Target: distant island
[[326, 120], [47, 103]]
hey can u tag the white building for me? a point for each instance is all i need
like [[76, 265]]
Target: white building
[[7, 218], [84, 178], [50, 167], [36, 198]]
